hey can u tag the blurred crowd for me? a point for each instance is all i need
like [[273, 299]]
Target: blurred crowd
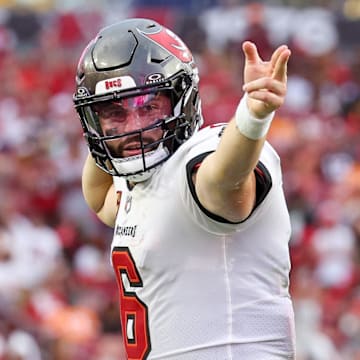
[[58, 296]]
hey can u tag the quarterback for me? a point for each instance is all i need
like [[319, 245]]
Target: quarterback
[[201, 227]]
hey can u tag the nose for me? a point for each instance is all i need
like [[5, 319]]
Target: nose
[[133, 121]]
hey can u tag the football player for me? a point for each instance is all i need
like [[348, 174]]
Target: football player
[[201, 227]]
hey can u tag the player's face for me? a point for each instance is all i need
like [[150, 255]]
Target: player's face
[[131, 114]]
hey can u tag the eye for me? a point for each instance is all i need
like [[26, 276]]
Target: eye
[[112, 131], [150, 107], [111, 112], [118, 113]]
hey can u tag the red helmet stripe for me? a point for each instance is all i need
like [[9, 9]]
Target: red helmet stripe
[[171, 42]]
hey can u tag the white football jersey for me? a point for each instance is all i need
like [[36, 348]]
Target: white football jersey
[[193, 287]]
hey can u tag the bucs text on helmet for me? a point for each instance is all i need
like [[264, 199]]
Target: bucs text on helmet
[[137, 57]]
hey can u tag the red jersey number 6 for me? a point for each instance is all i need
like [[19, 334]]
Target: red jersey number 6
[[133, 312]]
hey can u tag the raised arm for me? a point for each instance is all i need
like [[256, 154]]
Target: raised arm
[[99, 192], [225, 182]]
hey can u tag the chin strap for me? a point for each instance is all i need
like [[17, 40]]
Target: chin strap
[[133, 165]]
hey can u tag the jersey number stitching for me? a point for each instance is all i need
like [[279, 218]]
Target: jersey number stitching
[[133, 312]]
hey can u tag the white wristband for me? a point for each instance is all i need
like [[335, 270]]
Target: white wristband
[[249, 125]]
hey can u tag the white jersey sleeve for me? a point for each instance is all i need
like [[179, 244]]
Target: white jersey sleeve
[[269, 164]]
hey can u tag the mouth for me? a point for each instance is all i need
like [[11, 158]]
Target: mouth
[[130, 149], [134, 148], [130, 152]]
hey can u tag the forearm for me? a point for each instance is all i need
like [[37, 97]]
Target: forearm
[[235, 158], [225, 182], [239, 149], [95, 184]]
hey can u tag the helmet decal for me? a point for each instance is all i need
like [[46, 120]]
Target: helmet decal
[[154, 78], [171, 42], [82, 92], [114, 84]]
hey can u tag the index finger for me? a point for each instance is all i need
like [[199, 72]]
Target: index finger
[[280, 70]]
